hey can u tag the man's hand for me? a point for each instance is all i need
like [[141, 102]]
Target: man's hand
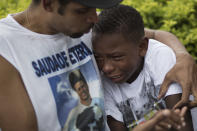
[[164, 120], [184, 72]]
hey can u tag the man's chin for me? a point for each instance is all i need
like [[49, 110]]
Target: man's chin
[[79, 34], [76, 35]]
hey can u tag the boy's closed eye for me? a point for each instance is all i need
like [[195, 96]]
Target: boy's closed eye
[[118, 57]]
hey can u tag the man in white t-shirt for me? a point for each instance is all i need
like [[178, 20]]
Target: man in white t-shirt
[[133, 69]]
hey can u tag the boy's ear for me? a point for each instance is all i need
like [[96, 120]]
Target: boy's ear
[[48, 5], [143, 47]]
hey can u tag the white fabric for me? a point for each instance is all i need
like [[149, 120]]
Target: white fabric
[[139, 96], [44, 62]]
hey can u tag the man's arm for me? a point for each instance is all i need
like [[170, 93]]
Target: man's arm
[[16, 110], [184, 71], [167, 38]]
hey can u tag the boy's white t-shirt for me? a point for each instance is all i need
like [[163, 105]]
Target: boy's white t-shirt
[[129, 102]]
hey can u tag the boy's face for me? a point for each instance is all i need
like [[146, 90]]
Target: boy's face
[[118, 58]]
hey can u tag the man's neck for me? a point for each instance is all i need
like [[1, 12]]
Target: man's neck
[[34, 20]]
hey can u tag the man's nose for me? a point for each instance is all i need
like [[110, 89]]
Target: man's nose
[[92, 17]]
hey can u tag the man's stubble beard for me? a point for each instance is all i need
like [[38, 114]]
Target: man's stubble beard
[[79, 34]]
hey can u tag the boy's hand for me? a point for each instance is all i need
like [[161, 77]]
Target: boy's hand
[[184, 72], [163, 120]]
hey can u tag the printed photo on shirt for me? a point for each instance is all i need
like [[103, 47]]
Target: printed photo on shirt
[[76, 94]]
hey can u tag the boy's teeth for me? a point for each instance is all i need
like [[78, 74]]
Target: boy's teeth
[[116, 77]]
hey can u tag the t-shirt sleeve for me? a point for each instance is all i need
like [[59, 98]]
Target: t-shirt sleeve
[[110, 104], [163, 59]]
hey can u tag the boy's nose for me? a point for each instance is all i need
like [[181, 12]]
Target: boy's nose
[[107, 68]]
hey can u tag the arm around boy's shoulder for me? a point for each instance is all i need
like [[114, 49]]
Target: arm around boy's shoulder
[[16, 110]]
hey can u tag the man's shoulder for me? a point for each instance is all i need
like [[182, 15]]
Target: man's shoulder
[[5, 21], [6, 32], [6, 26]]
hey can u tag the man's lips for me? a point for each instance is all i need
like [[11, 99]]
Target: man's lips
[[114, 76]]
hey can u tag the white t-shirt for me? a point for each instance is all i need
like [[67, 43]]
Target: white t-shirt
[[44, 63], [130, 103]]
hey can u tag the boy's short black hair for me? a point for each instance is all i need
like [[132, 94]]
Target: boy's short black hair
[[76, 76], [120, 19]]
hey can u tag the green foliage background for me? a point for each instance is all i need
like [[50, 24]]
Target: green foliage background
[[176, 16], [12, 6]]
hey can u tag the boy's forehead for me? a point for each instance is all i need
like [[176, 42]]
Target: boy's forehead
[[116, 36], [111, 41]]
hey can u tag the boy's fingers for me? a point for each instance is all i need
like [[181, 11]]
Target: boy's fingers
[[159, 128], [169, 123], [177, 111], [175, 119], [163, 119], [153, 122], [167, 119], [165, 125], [183, 111]]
